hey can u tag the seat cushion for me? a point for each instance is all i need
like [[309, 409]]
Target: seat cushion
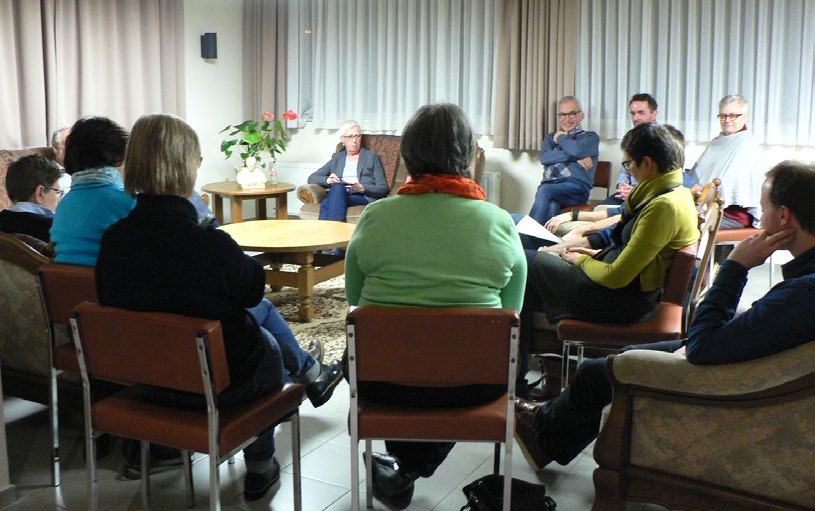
[[130, 414], [312, 212], [483, 422]]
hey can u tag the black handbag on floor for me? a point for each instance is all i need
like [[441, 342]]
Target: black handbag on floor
[[487, 493]]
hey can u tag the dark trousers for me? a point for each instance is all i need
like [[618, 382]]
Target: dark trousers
[[335, 205], [424, 457], [568, 423]]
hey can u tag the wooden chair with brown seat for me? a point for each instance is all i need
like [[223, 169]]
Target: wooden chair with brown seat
[[386, 147], [427, 342], [62, 287], [193, 361], [666, 322]]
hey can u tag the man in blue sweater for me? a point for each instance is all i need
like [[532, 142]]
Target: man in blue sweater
[[560, 429], [569, 159]]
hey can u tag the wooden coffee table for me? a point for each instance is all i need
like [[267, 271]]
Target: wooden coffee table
[[294, 242], [237, 195]]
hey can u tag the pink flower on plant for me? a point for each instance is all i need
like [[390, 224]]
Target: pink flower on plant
[[268, 116], [290, 115]]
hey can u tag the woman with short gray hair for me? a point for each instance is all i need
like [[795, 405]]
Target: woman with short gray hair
[[436, 243], [354, 176]]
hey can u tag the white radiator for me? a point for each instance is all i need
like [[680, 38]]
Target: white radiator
[[296, 173], [491, 183]]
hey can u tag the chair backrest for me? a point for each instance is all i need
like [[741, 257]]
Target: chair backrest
[[16, 252], [679, 275], [710, 226], [387, 148], [151, 348], [432, 346], [24, 341], [602, 176], [64, 286]]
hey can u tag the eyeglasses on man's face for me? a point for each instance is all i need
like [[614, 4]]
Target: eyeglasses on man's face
[[627, 165], [728, 117], [352, 137], [571, 115], [59, 191]]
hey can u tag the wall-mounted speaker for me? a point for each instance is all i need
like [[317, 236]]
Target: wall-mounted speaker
[[209, 45]]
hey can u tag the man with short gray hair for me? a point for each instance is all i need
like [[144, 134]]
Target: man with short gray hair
[[569, 159]]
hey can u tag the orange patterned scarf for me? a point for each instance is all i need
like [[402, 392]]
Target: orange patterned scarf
[[443, 183]]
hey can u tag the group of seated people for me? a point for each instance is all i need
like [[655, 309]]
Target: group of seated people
[[436, 242]]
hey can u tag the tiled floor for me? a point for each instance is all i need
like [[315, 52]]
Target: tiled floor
[[325, 463]]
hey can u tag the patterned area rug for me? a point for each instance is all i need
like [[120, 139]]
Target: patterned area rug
[[328, 325]]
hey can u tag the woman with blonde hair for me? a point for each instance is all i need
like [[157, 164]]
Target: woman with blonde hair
[[158, 258]]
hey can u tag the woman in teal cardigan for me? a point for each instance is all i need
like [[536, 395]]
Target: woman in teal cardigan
[[436, 243]]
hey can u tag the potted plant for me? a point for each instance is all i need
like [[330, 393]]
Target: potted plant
[[252, 141]]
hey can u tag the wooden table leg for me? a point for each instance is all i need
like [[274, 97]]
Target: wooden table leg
[[218, 204], [261, 209], [237, 210], [305, 288], [282, 206]]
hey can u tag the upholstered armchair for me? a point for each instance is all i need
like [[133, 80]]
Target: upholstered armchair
[[25, 343], [728, 437], [6, 157], [387, 147]]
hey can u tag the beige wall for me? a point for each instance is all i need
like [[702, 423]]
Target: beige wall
[[214, 100]]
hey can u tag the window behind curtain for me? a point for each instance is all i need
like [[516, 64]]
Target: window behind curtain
[[691, 53], [377, 61]]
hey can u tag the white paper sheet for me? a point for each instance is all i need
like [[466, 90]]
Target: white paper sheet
[[529, 226]]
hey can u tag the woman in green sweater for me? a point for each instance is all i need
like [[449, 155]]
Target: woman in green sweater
[[621, 284], [436, 243]]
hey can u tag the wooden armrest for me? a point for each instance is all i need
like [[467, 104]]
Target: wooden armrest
[[311, 193], [672, 373]]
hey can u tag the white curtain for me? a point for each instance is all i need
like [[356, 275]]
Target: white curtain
[[689, 54], [377, 61], [64, 59]]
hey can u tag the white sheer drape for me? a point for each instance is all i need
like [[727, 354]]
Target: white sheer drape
[[64, 59], [377, 61], [691, 53]]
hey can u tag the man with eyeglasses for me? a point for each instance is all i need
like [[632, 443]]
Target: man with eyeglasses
[[569, 159], [33, 187], [735, 158]]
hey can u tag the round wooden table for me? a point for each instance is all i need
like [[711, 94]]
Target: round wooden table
[[294, 242], [237, 195]]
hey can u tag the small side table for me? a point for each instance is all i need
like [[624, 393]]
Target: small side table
[[237, 195]]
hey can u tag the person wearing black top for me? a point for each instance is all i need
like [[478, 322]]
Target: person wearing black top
[[32, 183], [158, 258]]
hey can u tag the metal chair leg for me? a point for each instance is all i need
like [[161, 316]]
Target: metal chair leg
[[295, 454], [185, 456], [54, 412], [145, 474]]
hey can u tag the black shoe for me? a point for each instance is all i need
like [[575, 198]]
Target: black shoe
[[391, 484], [320, 390], [162, 459], [523, 406], [527, 438], [257, 485]]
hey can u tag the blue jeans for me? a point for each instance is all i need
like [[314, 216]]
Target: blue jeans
[[335, 206], [299, 365], [554, 195]]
